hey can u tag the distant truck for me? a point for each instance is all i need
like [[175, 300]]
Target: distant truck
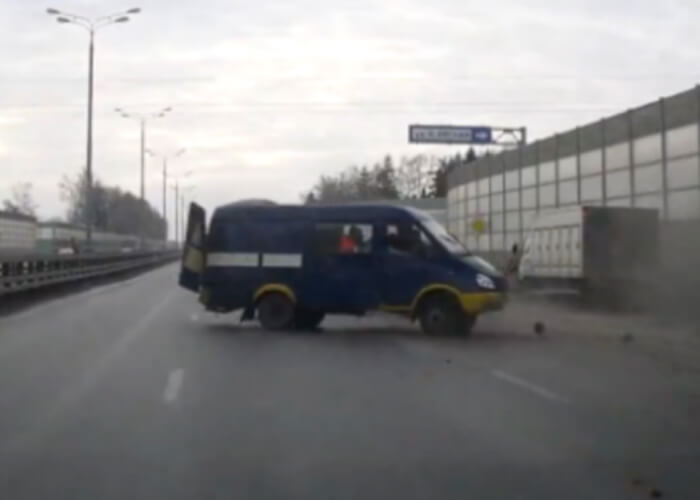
[[609, 252]]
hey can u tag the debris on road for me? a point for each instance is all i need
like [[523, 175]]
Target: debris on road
[[627, 337], [539, 328]]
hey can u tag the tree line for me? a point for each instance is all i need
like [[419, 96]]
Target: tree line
[[114, 210], [412, 177]]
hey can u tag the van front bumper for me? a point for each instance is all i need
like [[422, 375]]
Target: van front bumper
[[475, 303]]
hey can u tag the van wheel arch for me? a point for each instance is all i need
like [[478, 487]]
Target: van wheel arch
[[429, 296]]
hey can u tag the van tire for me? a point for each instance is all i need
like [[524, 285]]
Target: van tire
[[275, 311], [440, 314], [307, 319]]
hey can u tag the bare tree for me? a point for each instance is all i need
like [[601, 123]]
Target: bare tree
[[114, 210], [21, 200], [414, 175]]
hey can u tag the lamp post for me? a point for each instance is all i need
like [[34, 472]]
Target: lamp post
[[176, 188], [143, 119], [165, 159], [91, 25]]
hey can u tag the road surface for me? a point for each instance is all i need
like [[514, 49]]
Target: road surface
[[130, 391]]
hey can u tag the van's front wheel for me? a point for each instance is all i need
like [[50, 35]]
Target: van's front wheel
[[440, 314], [275, 311]]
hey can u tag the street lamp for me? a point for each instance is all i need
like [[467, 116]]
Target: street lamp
[[91, 25], [165, 159], [142, 119], [176, 187]]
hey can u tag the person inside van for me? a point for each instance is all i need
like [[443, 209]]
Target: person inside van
[[357, 237], [347, 243]]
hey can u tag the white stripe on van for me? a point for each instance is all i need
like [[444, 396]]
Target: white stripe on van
[[281, 260], [232, 259]]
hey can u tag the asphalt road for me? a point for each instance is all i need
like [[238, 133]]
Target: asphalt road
[[129, 391]]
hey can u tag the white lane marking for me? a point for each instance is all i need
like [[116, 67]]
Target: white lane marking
[[194, 317], [71, 396], [173, 385], [534, 388]]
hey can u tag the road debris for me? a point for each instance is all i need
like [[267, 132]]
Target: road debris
[[539, 328]]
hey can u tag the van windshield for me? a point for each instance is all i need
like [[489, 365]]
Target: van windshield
[[446, 239]]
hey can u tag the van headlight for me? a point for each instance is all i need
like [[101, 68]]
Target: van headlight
[[485, 282]]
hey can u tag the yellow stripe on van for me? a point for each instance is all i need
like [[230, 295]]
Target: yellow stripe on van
[[472, 303], [275, 287], [478, 302], [435, 287], [395, 309]]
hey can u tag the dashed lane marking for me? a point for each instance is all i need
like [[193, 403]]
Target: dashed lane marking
[[173, 385], [529, 386], [70, 397]]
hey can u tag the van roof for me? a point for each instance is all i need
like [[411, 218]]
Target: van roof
[[359, 209]]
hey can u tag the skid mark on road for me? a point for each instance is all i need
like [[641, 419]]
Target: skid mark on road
[[529, 386], [71, 396], [173, 385]]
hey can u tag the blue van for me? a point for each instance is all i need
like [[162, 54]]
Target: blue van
[[289, 266]]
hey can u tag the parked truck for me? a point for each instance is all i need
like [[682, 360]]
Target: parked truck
[[610, 253]]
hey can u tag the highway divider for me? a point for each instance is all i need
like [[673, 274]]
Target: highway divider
[[19, 273]]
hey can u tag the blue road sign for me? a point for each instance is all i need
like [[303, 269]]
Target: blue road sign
[[449, 134]]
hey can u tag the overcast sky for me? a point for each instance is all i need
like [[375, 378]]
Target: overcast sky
[[267, 95]]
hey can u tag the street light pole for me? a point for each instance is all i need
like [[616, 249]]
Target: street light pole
[[91, 25], [143, 157], [142, 119], [177, 218], [178, 201], [88, 162], [165, 159], [165, 195]]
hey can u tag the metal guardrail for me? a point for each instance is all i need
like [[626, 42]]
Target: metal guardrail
[[25, 272]]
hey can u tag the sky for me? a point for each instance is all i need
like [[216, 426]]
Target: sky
[[267, 96]]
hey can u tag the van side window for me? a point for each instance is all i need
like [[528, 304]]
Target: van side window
[[407, 239], [340, 238]]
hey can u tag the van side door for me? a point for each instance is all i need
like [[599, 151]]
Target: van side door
[[406, 262], [340, 268], [193, 254]]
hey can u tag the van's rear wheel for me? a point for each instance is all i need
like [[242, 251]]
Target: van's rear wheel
[[275, 311], [440, 314], [307, 319]]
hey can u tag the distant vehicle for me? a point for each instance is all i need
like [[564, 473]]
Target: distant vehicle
[[604, 250], [292, 265]]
